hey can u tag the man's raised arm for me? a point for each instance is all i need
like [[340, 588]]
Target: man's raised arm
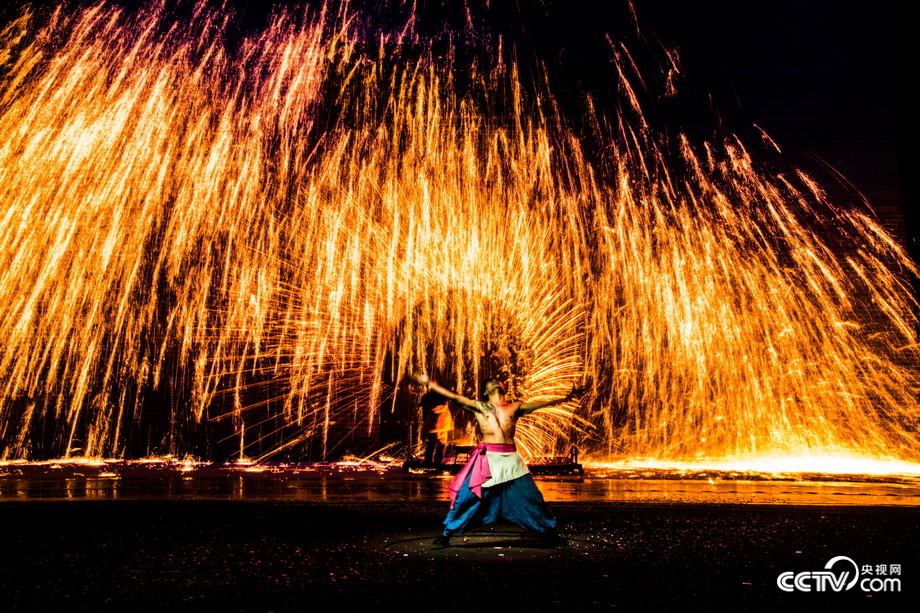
[[463, 401], [530, 407]]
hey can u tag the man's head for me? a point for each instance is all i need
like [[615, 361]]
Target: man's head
[[491, 386]]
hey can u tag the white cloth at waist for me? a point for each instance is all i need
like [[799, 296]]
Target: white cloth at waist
[[504, 467]]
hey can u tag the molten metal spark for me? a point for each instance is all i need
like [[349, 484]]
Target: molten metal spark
[[177, 217]]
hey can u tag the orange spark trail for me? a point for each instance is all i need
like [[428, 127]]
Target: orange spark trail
[[180, 215]]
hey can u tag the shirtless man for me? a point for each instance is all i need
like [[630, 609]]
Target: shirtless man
[[496, 483]]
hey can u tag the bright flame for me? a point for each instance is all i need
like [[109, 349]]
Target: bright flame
[[772, 466]]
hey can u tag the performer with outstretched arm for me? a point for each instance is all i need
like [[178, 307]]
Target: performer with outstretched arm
[[496, 482]]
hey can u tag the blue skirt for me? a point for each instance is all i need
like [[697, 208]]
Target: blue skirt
[[518, 501]]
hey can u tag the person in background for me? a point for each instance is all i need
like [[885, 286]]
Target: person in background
[[437, 424]]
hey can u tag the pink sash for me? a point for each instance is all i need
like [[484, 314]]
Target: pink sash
[[478, 468]]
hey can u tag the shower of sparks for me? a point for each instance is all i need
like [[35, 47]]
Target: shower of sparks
[[181, 214]]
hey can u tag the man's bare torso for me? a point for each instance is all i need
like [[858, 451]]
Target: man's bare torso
[[497, 422]]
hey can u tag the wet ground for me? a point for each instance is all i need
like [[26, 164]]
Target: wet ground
[[359, 543], [387, 482], [422, 490]]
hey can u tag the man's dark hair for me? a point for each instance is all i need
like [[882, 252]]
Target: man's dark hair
[[485, 386]]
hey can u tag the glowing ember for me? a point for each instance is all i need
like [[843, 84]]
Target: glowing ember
[[177, 222], [771, 466]]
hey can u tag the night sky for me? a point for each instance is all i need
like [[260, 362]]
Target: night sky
[[823, 79]]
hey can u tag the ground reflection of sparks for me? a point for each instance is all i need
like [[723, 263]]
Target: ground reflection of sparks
[[169, 212]]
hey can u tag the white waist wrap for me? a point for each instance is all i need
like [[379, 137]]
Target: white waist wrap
[[504, 467]]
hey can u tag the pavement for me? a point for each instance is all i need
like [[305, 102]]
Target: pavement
[[268, 552]]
